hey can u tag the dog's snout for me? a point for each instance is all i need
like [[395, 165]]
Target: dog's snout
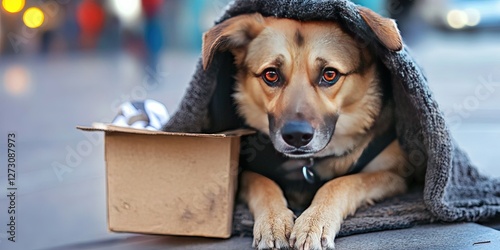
[[297, 133]]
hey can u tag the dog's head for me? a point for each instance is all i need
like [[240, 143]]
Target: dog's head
[[302, 81]]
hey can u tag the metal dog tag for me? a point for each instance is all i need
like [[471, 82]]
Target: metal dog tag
[[308, 174]]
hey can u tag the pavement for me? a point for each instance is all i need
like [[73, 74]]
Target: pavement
[[67, 209], [443, 236]]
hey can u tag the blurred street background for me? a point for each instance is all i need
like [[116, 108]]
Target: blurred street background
[[66, 63]]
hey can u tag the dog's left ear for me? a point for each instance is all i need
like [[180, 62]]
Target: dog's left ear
[[232, 34], [385, 29]]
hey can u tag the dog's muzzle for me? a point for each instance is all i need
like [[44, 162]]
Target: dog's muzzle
[[298, 138]]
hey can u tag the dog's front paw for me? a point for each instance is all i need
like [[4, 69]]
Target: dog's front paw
[[315, 229], [272, 229]]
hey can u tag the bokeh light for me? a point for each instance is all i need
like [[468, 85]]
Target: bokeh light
[[17, 80], [33, 17], [151, 7], [127, 11], [13, 6], [473, 17], [457, 19], [90, 16]]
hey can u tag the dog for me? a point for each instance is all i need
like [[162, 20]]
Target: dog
[[318, 93]]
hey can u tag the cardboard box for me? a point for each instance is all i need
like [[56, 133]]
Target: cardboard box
[[170, 183]]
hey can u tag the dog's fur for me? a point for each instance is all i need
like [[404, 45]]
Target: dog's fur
[[345, 118]]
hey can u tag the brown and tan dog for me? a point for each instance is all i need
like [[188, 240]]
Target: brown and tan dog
[[317, 93]]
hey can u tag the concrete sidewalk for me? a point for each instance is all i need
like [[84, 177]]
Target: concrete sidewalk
[[439, 236]]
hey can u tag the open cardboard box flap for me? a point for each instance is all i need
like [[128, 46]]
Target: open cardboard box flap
[[118, 129]]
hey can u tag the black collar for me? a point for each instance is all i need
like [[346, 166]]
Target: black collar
[[375, 147], [288, 170]]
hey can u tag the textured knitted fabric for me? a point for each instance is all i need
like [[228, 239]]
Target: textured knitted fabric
[[453, 188]]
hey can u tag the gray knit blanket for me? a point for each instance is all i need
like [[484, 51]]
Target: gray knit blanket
[[453, 189]]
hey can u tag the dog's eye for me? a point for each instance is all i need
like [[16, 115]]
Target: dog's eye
[[330, 77], [271, 77]]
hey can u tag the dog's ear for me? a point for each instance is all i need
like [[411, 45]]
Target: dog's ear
[[233, 33], [385, 29]]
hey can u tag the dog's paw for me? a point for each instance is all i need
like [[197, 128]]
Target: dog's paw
[[272, 229], [315, 229]]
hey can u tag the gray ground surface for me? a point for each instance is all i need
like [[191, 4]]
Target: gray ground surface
[[452, 236], [77, 90]]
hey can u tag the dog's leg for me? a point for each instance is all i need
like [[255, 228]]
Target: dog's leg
[[273, 220], [317, 227]]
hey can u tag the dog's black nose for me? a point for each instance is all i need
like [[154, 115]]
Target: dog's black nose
[[297, 133]]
